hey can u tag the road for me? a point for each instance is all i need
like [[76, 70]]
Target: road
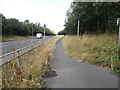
[[9, 46], [73, 74]]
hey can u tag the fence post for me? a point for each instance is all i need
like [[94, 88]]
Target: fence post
[[37, 44], [32, 47], [15, 57], [18, 58]]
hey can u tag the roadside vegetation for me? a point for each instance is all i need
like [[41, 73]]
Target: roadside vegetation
[[30, 73], [12, 26], [6, 38], [94, 17], [101, 50]]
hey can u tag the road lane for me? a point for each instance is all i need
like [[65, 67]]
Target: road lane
[[7, 47]]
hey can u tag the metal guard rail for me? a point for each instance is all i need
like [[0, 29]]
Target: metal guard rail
[[17, 53]]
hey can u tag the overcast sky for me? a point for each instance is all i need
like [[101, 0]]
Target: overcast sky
[[50, 12]]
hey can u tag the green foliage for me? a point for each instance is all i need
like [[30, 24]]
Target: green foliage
[[62, 32], [12, 26], [94, 17]]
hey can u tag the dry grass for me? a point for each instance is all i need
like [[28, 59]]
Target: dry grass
[[101, 50], [6, 38], [30, 74]]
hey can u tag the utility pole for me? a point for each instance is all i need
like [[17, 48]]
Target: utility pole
[[44, 30], [32, 29], [78, 28]]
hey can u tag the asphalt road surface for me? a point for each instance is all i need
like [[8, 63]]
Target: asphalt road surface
[[9, 46], [73, 74]]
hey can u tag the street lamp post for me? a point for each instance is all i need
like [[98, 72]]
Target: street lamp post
[[44, 30], [78, 28], [32, 29]]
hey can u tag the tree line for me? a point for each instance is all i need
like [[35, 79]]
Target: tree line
[[13, 26], [94, 17]]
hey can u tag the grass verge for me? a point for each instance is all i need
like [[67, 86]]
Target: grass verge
[[101, 50], [6, 38], [30, 73]]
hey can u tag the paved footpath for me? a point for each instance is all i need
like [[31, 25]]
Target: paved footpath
[[73, 74]]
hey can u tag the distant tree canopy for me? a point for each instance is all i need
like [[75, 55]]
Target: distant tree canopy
[[94, 17], [14, 27], [62, 32]]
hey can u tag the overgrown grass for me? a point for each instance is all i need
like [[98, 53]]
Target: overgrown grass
[[30, 73], [101, 50], [6, 38]]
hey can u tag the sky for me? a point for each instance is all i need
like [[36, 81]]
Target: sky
[[49, 12]]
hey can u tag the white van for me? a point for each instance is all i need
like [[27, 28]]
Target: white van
[[39, 35]]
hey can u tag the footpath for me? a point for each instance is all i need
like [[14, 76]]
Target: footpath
[[73, 74]]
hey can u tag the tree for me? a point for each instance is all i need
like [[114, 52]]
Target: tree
[[95, 17], [62, 32], [12, 26]]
